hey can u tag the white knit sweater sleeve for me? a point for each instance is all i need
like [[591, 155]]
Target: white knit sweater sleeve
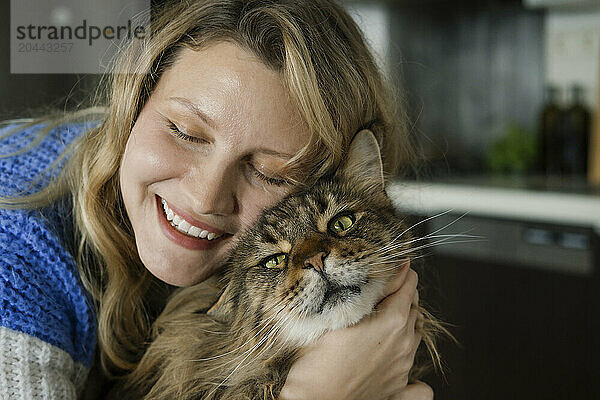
[[33, 369]]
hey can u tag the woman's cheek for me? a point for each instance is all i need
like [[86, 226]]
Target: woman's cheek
[[153, 157]]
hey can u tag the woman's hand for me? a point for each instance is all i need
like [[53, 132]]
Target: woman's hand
[[370, 360]]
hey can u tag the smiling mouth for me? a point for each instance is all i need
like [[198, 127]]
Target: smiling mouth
[[186, 228], [184, 239]]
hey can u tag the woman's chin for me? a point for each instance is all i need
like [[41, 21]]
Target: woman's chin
[[180, 277]]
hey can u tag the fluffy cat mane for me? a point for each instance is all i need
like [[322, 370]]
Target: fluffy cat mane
[[319, 260]]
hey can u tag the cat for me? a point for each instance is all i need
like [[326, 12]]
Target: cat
[[317, 261]]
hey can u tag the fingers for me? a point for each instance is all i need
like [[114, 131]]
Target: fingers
[[413, 327], [413, 316], [415, 391], [398, 304], [415, 301], [396, 283], [420, 317], [420, 324]]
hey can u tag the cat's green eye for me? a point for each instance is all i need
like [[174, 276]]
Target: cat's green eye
[[342, 223], [276, 261]]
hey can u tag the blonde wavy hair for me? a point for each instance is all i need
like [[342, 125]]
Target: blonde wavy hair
[[331, 76]]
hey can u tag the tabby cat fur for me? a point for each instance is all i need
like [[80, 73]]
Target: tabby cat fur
[[318, 260]]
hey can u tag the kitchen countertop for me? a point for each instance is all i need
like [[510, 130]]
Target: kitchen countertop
[[567, 201]]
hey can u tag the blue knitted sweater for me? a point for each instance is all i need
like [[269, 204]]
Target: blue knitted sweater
[[47, 322]]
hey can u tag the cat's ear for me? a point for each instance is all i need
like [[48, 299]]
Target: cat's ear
[[223, 308], [362, 164]]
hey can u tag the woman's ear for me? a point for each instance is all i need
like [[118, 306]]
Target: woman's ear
[[362, 164]]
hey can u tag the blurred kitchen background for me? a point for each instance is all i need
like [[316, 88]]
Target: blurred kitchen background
[[503, 99]]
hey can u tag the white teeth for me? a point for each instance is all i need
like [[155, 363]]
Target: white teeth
[[185, 227], [194, 231], [170, 214]]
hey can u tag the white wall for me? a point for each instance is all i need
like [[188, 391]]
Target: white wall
[[572, 50], [374, 20]]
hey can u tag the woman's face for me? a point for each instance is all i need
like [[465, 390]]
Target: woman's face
[[241, 128]]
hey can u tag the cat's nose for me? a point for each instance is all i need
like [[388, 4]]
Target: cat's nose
[[316, 261]]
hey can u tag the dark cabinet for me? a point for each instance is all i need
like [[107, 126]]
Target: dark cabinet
[[525, 332]]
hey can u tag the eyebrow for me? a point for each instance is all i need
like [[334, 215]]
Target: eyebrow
[[195, 110], [275, 153]]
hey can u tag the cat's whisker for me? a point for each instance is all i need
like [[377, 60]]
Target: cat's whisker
[[392, 260], [283, 344], [449, 223], [275, 328], [239, 364], [443, 237], [403, 244], [437, 243], [276, 332], [392, 243], [230, 332], [440, 242], [245, 353], [401, 257], [265, 338], [432, 236], [425, 220], [421, 222], [396, 263], [265, 324]]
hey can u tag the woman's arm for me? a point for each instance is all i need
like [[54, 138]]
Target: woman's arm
[[47, 327], [370, 360], [33, 369]]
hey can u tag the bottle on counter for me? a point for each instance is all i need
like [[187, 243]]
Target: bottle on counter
[[575, 134], [550, 137]]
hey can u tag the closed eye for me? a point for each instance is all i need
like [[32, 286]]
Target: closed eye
[[268, 179], [177, 132]]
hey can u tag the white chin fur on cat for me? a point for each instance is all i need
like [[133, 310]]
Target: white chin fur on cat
[[300, 332]]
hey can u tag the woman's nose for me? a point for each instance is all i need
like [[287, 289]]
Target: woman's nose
[[211, 188]]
